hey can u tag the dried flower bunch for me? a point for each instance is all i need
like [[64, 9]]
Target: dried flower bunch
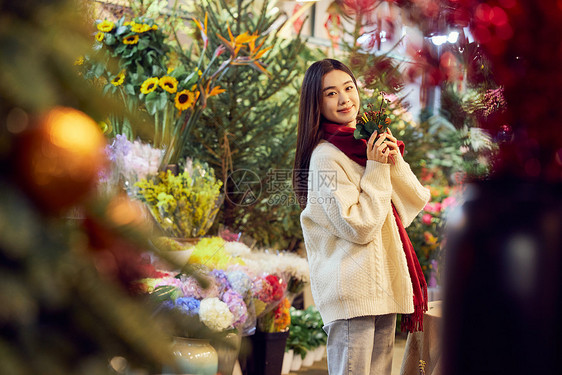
[[373, 120]]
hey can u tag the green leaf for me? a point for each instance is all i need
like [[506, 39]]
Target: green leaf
[[130, 89], [120, 49], [152, 102], [190, 80], [121, 30], [140, 69], [162, 100], [143, 44], [129, 53], [99, 70], [109, 39], [106, 88], [156, 71]]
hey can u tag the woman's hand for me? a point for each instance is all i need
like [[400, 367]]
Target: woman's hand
[[382, 149], [392, 143]]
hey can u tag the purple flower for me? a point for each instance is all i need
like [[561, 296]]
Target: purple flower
[[188, 305], [191, 288], [121, 145], [237, 306], [118, 148], [221, 281]]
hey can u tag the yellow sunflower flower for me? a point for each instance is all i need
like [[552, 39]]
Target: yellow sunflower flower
[[136, 27], [100, 36], [118, 79], [169, 84], [131, 39], [140, 27], [106, 26], [184, 100], [149, 85], [154, 27]]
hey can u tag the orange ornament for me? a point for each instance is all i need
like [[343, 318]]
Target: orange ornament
[[58, 160]]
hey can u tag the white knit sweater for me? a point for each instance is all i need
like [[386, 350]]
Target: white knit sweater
[[356, 258]]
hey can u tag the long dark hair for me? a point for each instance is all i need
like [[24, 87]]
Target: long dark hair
[[309, 132]]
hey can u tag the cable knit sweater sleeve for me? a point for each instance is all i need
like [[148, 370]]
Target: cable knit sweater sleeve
[[348, 209], [408, 194]]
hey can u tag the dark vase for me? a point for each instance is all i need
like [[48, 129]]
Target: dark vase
[[262, 353], [503, 290]]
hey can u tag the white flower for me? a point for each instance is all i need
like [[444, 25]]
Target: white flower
[[291, 264], [282, 264], [236, 249], [259, 262], [215, 314], [141, 161]]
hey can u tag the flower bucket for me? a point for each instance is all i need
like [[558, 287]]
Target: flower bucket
[[287, 361], [267, 352]]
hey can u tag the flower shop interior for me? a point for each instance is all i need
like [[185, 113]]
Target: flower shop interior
[[148, 220]]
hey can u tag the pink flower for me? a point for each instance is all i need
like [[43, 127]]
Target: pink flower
[[433, 207], [449, 201], [426, 219]]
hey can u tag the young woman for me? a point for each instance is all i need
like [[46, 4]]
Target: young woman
[[356, 197]]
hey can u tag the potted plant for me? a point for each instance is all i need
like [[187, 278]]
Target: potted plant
[[298, 340]]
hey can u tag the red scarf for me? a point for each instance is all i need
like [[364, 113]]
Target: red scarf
[[356, 149]]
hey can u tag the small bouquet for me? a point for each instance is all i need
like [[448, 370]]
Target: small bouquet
[[372, 121], [278, 319], [267, 292]]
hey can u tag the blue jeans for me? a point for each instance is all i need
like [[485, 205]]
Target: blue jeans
[[361, 346]]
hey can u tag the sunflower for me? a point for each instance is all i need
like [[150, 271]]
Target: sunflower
[[184, 99], [136, 27], [140, 27], [131, 39], [169, 84], [118, 79], [149, 85], [106, 26], [100, 36]]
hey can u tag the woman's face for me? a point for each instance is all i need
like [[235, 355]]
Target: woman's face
[[340, 99]]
